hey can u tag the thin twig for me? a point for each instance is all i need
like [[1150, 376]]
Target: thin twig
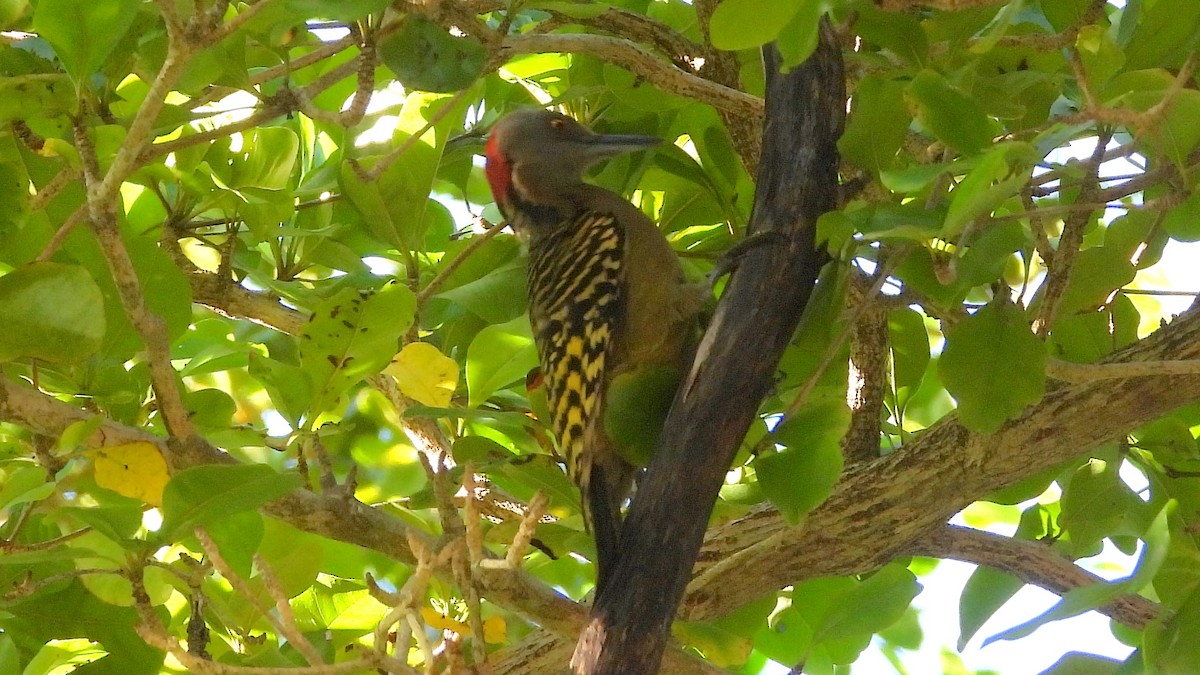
[[1058, 274], [10, 547], [471, 247], [640, 61], [384, 162], [279, 622], [287, 620], [60, 235]]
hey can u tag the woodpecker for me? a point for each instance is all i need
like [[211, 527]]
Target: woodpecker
[[607, 295]]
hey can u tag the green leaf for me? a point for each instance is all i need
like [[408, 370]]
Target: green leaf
[[871, 605], [835, 231], [877, 125], [58, 657], [498, 356], [210, 408], [831, 620], [742, 24], [10, 11], [166, 288], [396, 207], [1000, 173], [23, 482], [1177, 135], [726, 641], [343, 10], [1095, 503], [998, 27], [295, 556], [351, 336], [75, 612], [949, 114], [986, 590], [800, 477], [1077, 663], [918, 176], [496, 297], [993, 365], [1169, 645], [205, 494], [425, 57], [118, 522], [899, 33], [238, 536], [799, 36], [988, 255], [84, 33], [10, 659], [1165, 30], [268, 159], [484, 452], [1099, 54], [822, 421], [52, 311], [1097, 272], [538, 473], [288, 386], [910, 347]]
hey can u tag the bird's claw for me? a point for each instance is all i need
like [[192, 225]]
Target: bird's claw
[[730, 260]]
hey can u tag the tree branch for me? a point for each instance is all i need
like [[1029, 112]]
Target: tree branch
[[1034, 563], [733, 370], [639, 61], [869, 375], [877, 509]]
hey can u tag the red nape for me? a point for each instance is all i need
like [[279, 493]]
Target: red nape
[[499, 173]]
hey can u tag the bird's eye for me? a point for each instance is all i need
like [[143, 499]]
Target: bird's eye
[[557, 123]]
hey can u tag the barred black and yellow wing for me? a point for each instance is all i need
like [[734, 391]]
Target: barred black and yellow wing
[[575, 282]]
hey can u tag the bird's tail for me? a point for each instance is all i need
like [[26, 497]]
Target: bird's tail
[[603, 514], [607, 488]]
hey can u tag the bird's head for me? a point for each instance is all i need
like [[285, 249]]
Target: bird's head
[[539, 156]]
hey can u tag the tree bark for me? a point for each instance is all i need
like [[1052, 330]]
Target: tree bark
[[879, 507], [734, 368]]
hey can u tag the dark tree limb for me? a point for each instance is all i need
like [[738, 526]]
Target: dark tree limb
[[797, 182]]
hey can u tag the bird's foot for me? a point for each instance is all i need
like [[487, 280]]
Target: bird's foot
[[727, 263]]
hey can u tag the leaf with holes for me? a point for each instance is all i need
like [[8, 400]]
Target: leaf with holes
[[351, 336]]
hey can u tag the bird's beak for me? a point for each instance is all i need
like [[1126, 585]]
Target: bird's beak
[[603, 146]]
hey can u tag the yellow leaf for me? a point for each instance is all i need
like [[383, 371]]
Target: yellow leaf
[[424, 374], [495, 631], [438, 621], [135, 470]]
